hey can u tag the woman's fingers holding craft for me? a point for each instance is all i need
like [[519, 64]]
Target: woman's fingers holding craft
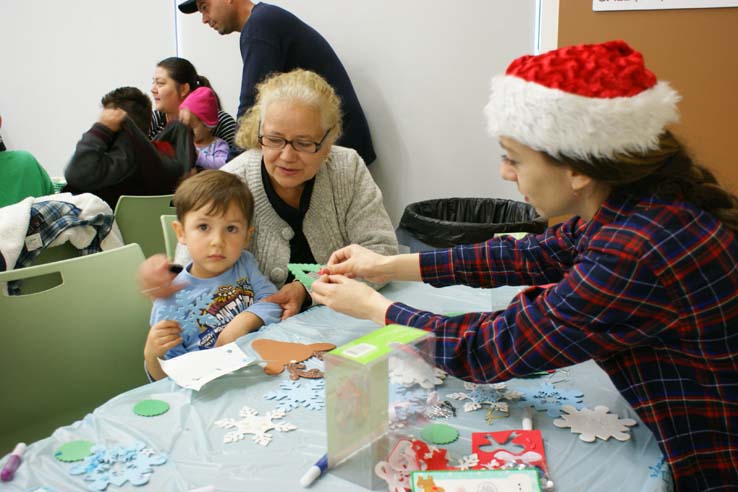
[[356, 261], [350, 297]]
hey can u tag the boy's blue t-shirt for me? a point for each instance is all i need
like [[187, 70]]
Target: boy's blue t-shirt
[[214, 302]]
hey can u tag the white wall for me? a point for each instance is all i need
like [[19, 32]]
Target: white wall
[[60, 58], [421, 70]]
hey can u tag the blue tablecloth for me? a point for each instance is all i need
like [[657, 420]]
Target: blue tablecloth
[[197, 455]]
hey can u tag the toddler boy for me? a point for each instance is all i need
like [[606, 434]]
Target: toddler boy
[[224, 285]]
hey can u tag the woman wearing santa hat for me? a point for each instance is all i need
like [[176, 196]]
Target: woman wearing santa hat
[[645, 275]]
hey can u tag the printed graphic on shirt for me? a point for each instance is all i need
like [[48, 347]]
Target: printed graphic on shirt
[[226, 303]]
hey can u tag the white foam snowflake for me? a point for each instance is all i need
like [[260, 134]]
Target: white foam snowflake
[[597, 423], [468, 462], [253, 423], [411, 371]]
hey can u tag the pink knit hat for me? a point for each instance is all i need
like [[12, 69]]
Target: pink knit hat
[[202, 103], [585, 101]]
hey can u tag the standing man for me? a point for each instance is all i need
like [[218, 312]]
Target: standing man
[[274, 40]]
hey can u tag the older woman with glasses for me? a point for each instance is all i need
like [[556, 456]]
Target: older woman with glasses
[[311, 197]]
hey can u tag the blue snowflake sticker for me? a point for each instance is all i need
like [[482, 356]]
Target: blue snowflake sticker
[[118, 465], [548, 397], [308, 393]]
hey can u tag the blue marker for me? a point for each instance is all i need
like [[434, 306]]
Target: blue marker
[[315, 471]]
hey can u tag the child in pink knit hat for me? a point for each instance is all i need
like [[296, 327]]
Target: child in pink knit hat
[[199, 111]]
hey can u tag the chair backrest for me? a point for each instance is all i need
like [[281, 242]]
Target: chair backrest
[[170, 237], [69, 349], [48, 255], [138, 220]]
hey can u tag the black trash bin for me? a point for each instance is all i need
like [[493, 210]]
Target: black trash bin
[[446, 222]]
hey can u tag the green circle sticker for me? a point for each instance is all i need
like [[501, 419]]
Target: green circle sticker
[[150, 408], [439, 434], [74, 451]]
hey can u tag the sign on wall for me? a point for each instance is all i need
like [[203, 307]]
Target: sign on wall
[[605, 5]]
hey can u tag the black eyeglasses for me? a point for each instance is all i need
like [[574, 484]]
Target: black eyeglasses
[[306, 146]]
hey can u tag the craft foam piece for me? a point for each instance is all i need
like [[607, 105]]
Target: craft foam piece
[[150, 408], [484, 394], [411, 371], [548, 397], [195, 369], [118, 465], [191, 314], [309, 393], [439, 434], [468, 462], [530, 442], [597, 423], [74, 451], [278, 354], [302, 272], [253, 423]]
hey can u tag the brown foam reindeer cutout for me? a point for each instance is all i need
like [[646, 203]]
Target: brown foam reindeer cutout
[[278, 354]]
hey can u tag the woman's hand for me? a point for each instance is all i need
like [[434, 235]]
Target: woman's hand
[[155, 278], [290, 297], [350, 297], [357, 261]]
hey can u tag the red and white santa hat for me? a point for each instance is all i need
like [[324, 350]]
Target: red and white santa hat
[[585, 101]]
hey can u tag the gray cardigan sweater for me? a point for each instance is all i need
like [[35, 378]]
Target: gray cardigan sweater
[[345, 208]]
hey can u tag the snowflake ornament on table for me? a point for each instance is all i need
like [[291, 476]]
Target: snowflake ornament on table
[[412, 371], [597, 423], [118, 465], [550, 398], [253, 423], [483, 394], [308, 393], [468, 462]]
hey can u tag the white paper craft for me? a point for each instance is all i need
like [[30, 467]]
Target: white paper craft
[[194, 369]]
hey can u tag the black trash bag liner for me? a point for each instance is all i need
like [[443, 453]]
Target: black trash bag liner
[[450, 221]]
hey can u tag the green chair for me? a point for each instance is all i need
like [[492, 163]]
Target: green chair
[[69, 349], [138, 220], [170, 237], [48, 255]]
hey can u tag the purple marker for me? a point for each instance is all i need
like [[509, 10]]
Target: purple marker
[[6, 475]]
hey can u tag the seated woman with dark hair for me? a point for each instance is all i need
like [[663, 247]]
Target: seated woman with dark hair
[[174, 79]]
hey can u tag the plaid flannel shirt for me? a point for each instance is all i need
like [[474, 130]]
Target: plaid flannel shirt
[[647, 288]]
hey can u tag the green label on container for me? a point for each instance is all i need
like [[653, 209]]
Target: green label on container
[[378, 343]]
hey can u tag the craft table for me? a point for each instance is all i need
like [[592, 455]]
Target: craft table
[[197, 455]]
